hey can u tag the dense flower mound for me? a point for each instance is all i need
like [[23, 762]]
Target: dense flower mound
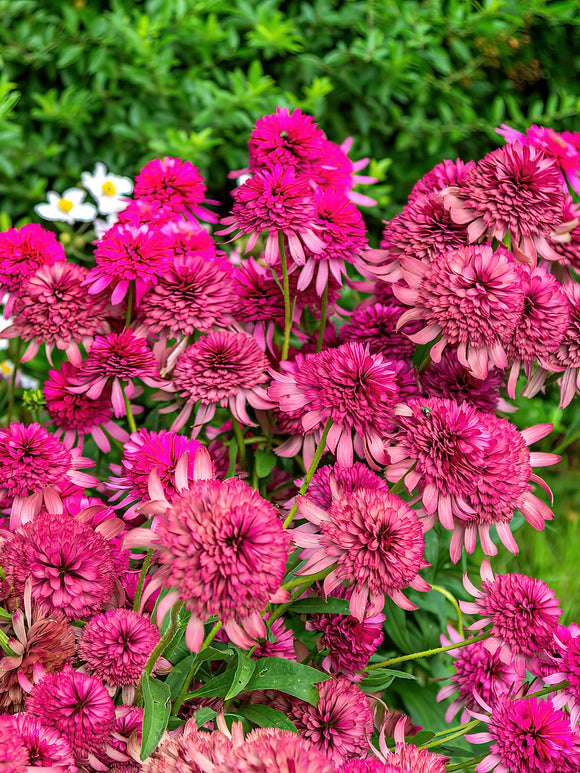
[[567, 355], [23, 251], [376, 325], [13, 754], [175, 184], [331, 481], [449, 379], [517, 190], [442, 175], [77, 706], [191, 749], [275, 751], [351, 386], [569, 251], [370, 765], [115, 646], [473, 298], [522, 611], [566, 668], [291, 139], [373, 540], [223, 368], [68, 565], [46, 747], [409, 758]]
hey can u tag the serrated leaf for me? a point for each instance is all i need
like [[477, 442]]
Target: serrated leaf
[[244, 670], [332, 606], [157, 701], [266, 716], [265, 462], [288, 677]]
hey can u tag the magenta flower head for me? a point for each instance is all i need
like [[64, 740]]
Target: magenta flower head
[[280, 202], [522, 611], [223, 368], [449, 379], [23, 251], [129, 253], [290, 139], [76, 415], [223, 551], [442, 175], [45, 746], [68, 566], [368, 765], [526, 735], [115, 358], [36, 467], [356, 389], [517, 190], [116, 644], [176, 184], [77, 706], [479, 673], [473, 298], [376, 325], [332, 481], [52, 308], [373, 540], [14, 757]]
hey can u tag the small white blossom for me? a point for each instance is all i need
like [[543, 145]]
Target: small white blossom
[[67, 208], [102, 226], [107, 189]]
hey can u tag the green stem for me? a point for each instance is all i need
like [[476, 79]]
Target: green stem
[[130, 417], [467, 764], [4, 644], [427, 653], [12, 392], [194, 666], [450, 597], [465, 729], [162, 645], [130, 297], [323, 313], [286, 292], [548, 690], [311, 470], [565, 443], [142, 575], [240, 438], [425, 364]]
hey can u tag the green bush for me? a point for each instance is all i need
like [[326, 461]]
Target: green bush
[[124, 81]]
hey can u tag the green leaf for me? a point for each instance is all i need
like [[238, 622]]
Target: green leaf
[[244, 670], [288, 677], [266, 716], [383, 678], [265, 462], [157, 700], [204, 715], [332, 606], [216, 687]]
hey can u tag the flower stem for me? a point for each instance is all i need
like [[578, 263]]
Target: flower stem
[[12, 390], [194, 666], [162, 645], [311, 470], [240, 438], [450, 597], [130, 297], [427, 653], [142, 575], [323, 313], [467, 764], [286, 292], [445, 739], [5, 645], [130, 417]]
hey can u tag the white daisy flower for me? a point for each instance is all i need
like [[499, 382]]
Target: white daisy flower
[[107, 189], [68, 208]]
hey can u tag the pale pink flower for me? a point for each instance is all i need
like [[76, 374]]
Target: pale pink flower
[[14, 757], [46, 747]]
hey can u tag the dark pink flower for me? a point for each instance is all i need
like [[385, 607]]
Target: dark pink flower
[[291, 139], [147, 212], [277, 201], [376, 325], [46, 747], [442, 175], [567, 356], [566, 668], [116, 644], [449, 379], [351, 386], [23, 251], [176, 184], [350, 642], [14, 756], [472, 298], [223, 368], [568, 249], [373, 540], [68, 565], [522, 611], [36, 466], [190, 239], [517, 190], [76, 415], [337, 480], [526, 734], [77, 706]]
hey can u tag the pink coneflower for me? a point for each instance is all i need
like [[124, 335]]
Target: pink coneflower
[[13, 754], [78, 706], [223, 368], [372, 539], [341, 725], [115, 358], [522, 611], [332, 481], [146, 212], [23, 251], [444, 174], [194, 294], [36, 466], [52, 308], [75, 415], [376, 325], [472, 469], [47, 645], [290, 139], [567, 669], [170, 454], [335, 171], [128, 253], [278, 201], [526, 735], [449, 379], [176, 184], [190, 238], [116, 644], [517, 190], [351, 386], [478, 672], [567, 356], [68, 565], [471, 297], [46, 747], [224, 549]]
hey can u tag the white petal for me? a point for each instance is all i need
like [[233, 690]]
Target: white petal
[[84, 212], [50, 212]]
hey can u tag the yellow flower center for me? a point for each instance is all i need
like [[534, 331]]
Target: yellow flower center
[[65, 205], [6, 369], [108, 188]]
